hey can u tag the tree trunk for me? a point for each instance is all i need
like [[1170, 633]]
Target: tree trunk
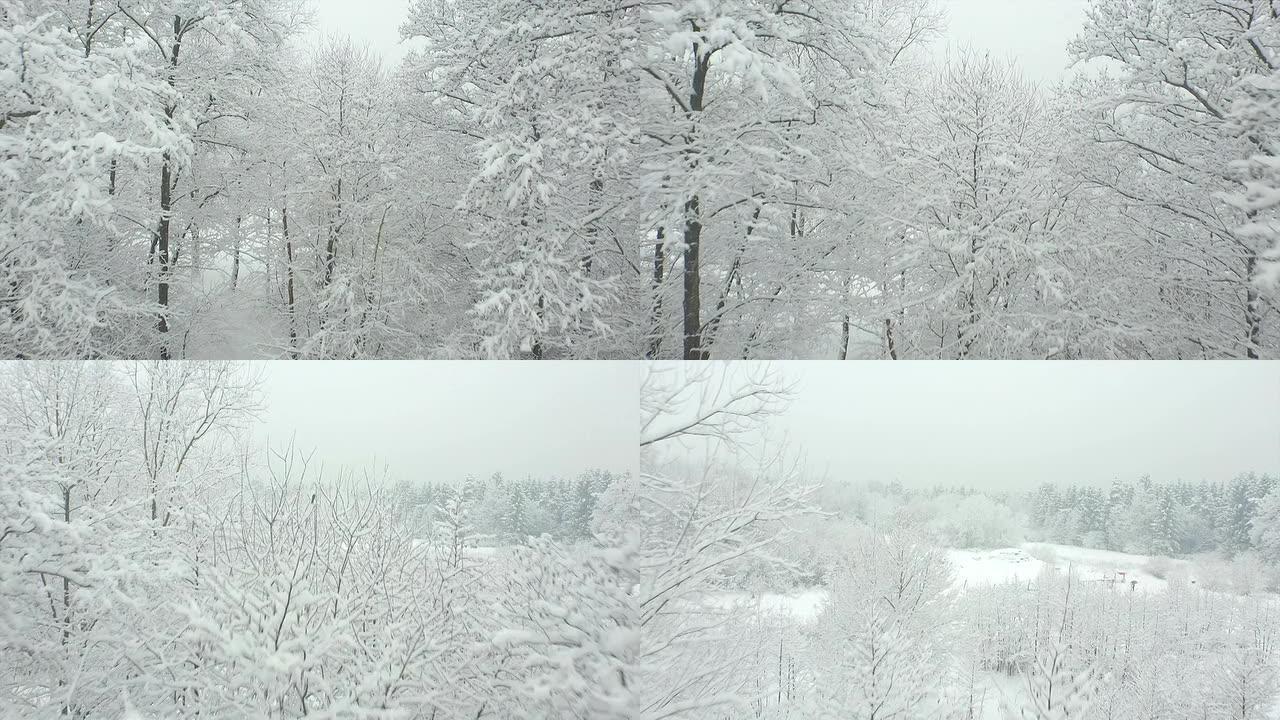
[[288, 253], [1252, 309], [594, 192], [713, 325], [659, 269], [235, 258], [331, 248], [166, 201], [162, 248], [693, 349], [845, 328], [536, 350]]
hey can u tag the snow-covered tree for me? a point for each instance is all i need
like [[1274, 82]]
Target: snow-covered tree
[[540, 90], [75, 115], [569, 636], [1175, 152], [979, 262], [1059, 685], [699, 524], [1265, 527], [884, 637]]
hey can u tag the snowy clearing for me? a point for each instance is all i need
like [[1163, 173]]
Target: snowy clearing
[[975, 568]]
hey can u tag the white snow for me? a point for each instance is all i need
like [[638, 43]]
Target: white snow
[[1024, 563], [802, 605], [973, 568], [991, 567]]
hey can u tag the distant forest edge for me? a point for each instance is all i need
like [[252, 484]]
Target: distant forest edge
[[1237, 520], [1143, 517], [498, 511]]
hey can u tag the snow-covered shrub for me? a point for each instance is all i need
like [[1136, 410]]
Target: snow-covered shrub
[[1158, 567], [1044, 553], [883, 639]]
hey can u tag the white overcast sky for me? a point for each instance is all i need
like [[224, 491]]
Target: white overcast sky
[[444, 420], [1034, 32], [1010, 424]]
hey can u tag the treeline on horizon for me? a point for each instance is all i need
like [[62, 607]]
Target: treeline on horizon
[[501, 511], [1143, 517], [1156, 518]]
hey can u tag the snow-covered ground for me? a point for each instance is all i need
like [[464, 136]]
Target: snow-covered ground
[[994, 691], [974, 568], [470, 553], [1024, 563], [991, 567], [802, 605]]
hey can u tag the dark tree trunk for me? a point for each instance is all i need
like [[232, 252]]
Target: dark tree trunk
[[713, 325], [162, 249], [235, 258], [166, 201], [536, 350], [659, 270], [594, 193], [331, 248], [693, 349], [288, 253]]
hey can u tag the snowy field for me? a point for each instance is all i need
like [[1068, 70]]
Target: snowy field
[[1024, 563], [994, 694], [975, 568]]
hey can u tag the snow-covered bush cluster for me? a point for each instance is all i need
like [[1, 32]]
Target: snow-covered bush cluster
[[897, 634], [949, 516], [151, 564]]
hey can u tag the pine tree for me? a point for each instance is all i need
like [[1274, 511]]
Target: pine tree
[[1237, 508], [453, 530], [1265, 528], [1119, 509], [1165, 531]]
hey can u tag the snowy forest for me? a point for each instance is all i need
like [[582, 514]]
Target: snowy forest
[[506, 512], [1142, 517], [1231, 530], [156, 563], [609, 179]]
